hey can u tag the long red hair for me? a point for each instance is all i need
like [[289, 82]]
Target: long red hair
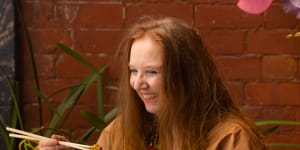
[[194, 97]]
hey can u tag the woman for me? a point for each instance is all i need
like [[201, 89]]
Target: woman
[[171, 96]]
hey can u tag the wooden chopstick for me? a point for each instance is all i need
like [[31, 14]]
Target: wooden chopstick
[[33, 137], [23, 137], [38, 137]]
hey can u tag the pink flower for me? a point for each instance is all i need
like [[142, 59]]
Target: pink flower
[[254, 6]]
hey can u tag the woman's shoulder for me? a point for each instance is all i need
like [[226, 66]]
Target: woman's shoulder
[[229, 134], [225, 127], [109, 135], [111, 126]]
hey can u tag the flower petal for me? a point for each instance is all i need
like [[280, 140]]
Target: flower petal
[[254, 6]]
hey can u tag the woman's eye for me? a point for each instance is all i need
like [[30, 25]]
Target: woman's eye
[[132, 71], [151, 72]]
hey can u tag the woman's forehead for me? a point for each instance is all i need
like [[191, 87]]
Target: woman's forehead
[[145, 50]]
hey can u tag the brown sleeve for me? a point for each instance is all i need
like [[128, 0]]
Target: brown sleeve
[[228, 136], [109, 138], [104, 140]]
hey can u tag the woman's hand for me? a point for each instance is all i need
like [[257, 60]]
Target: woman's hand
[[52, 144]]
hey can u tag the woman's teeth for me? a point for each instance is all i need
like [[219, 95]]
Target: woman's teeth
[[147, 96]]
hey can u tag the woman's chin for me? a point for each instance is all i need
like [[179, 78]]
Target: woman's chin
[[152, 109]]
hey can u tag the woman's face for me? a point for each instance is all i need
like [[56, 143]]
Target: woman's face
[[145, 64]]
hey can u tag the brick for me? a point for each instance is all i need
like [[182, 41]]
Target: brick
[[259, 93], [44, 40], [239, 68], [154, 1], [252, 112], [134, 11], [298, 69], [282, 113], [78, 132], [272, 42], [297, 115], [113, 71], [287, 94], [39, 14], [276, 18], [90, 97], [47, 87], [104, 42], [218, 42], [44, 66], [226, 16], [236, 90], [278, 67], [28, 94], [66, 14], [283, 138], [31, 116], [51, 86], [273, 94], [216, 1], [68, 67], [297, 118], [79, 122], [105, 15]]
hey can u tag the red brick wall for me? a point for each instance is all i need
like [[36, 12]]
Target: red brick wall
[[260, 65]]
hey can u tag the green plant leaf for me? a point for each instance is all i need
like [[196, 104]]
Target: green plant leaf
[[269, 130], [31, 52], [87, 134], [75, 55], [284, 145], [46, 100], [80, 90], [100, 98], [61, 90], [72, 98], [76, 92], [6, 138], [108, 117], [111, 114], [111, 87], [14, 114], [15, 102], [94, 120], [277, 122], [16, 106], [68, 103]]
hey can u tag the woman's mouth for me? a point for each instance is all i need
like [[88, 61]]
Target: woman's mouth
[[149, 98]]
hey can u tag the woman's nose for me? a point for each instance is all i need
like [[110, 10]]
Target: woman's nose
[[140, 82]]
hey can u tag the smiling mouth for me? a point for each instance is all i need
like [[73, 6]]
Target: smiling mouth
[[149, 97]]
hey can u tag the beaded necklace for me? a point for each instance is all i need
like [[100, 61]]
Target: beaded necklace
[[152, 140]]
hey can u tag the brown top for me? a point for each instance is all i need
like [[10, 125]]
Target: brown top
[[227, 135]]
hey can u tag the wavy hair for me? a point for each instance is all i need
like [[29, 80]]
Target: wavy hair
[[194, 98]]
